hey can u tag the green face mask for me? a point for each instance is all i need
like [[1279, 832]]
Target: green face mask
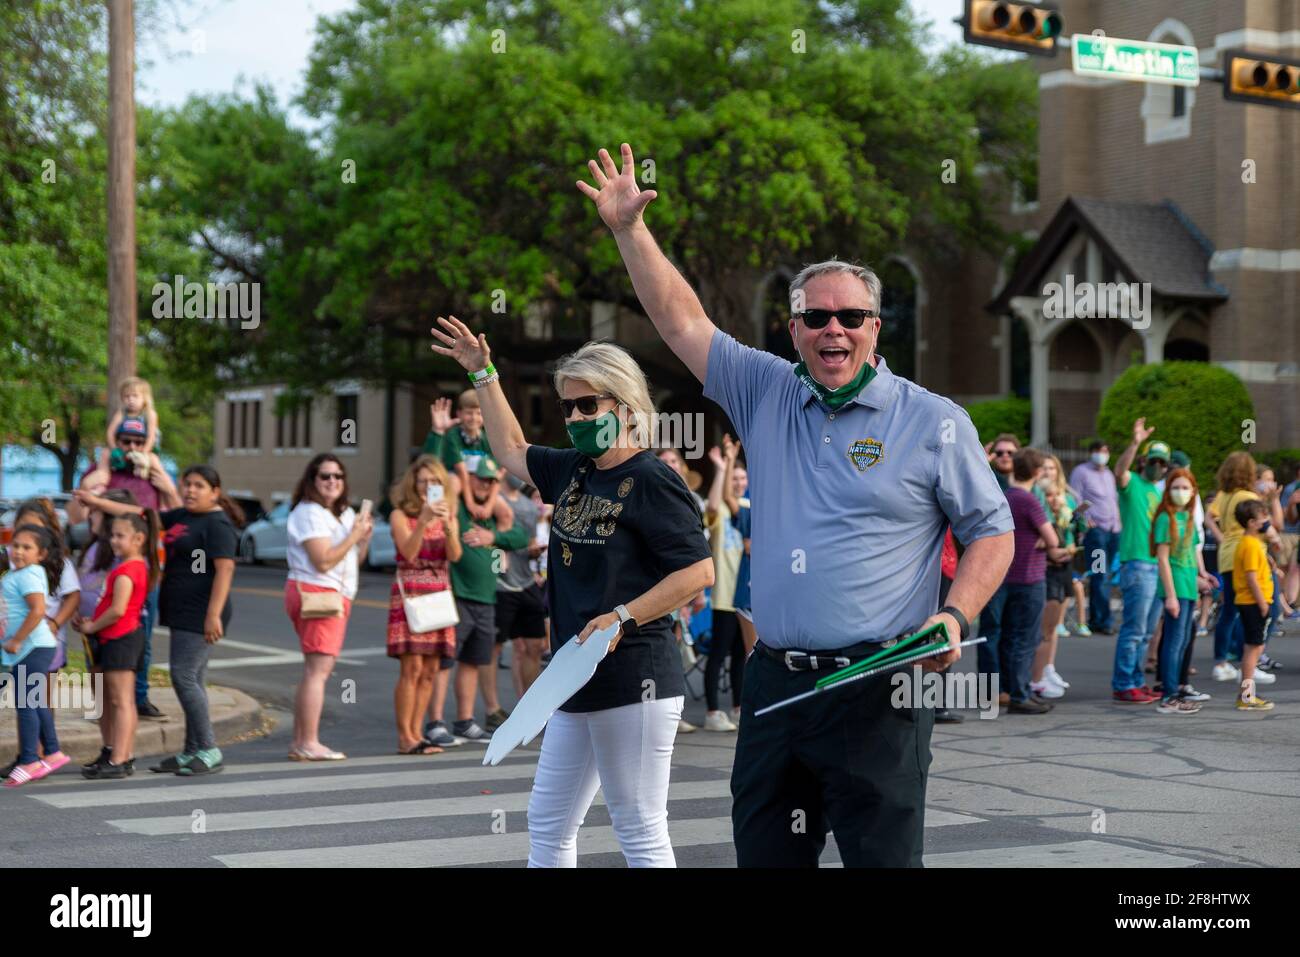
[[594, 437], [835, 397]]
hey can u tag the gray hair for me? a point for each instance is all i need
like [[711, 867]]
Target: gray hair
[[610, 368], [868, 278]]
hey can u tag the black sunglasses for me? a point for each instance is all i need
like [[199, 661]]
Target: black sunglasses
[[849, 318], [1001, 452], [586, 404], [326, 476], [131, 442]]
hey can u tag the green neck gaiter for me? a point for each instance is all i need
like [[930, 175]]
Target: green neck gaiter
[[835, 397], [594, 437]]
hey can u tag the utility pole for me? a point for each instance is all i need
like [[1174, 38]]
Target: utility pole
[[121, 194]]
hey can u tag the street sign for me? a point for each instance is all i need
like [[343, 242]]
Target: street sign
[[1115, 59]]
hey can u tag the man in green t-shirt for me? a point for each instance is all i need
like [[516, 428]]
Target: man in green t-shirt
[[460, 444], [474, 583], [1138, 571]]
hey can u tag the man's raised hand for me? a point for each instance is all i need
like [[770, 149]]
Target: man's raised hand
[[619, 200]]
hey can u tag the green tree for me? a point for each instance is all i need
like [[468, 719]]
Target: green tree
[[774, 131], [1199, 408]]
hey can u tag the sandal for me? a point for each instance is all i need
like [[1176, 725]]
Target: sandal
[[421, 748], [18, 777], [199, 766], [48, 767], [299, 754]]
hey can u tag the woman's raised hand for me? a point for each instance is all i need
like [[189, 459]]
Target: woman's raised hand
[[619, 200], [461, 344]]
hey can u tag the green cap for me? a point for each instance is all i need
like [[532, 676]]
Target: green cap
[[487, 468], [1180, 460], [1157, 450]]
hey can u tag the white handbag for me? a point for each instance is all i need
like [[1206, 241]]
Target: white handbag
[[431, 612]]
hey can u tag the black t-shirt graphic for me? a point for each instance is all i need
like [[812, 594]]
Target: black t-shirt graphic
[[615, 534], [183, 597]]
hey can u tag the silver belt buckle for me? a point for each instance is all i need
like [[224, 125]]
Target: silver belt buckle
[[789, 660]]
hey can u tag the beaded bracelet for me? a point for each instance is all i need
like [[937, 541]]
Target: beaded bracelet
[[485, 381], [483, 374]]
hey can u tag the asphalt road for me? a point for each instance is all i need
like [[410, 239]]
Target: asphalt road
[[1093, 783]]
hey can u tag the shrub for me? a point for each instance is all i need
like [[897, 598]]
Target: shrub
[[1193, 406], [1001, 415]]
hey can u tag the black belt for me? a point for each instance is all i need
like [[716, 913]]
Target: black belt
[[797, 660]]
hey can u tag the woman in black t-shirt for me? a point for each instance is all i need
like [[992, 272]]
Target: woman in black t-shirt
[[194, 602], [625, 549]]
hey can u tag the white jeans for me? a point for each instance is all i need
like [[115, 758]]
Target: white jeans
[[625, 751]]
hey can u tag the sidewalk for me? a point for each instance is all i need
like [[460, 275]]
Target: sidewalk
[[234, 716]]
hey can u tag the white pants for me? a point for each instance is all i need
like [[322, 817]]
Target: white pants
[[627, 752]]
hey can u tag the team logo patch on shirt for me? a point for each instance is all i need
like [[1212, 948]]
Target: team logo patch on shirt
[[624, 487], [865, 453]]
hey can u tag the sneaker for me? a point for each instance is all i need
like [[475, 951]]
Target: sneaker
[[436, 733], [1131, 696], [497, 718], [1045, 689], [1264, 677], [148, 710], [1083, 631], [1188, 693], [1062, 631], [1177, 706], [104, 755], [470, 731], [1051, 675], [1294, 615], [1202, 632], [1029, 707], [1253, 703], [1226, 672], [109, 771], [718, 721], [685, 727]]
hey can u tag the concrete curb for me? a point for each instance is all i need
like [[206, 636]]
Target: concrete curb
[[235, 716]]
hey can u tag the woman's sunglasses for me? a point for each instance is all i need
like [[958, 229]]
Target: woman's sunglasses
[[849, 318], [330, 476], [586, 404]]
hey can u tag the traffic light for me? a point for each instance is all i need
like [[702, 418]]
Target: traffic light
[[1028, 27], [1261, 78]]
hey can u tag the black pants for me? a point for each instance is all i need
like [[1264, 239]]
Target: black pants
[[725, 641], [846, 761]]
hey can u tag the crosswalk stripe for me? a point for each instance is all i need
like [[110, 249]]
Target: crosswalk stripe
[[484, 804], [461, 851], [1068, 854], [305, 784], [466, 756]]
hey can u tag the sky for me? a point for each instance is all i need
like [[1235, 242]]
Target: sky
[[228, 42]]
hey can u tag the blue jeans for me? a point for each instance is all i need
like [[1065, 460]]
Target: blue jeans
[[1228, 636], [148, 617], [1137, 583], [1173, 642], [987, 656], [1022, 630], [34, 724], [1099, 616]]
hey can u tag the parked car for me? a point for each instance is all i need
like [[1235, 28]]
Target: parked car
[[252, 508], [266, 539], [383, 553]]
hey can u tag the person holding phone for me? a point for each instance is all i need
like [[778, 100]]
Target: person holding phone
[[327, 541], [426, 534]]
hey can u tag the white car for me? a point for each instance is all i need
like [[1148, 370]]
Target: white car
[[268, 540]]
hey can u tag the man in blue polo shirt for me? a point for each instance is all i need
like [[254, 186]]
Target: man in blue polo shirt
[[857, 474]]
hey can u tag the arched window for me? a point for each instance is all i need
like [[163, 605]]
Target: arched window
[[1166, 109]]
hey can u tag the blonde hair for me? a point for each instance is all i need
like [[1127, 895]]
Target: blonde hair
[[610, 368], [403, 494], [468, 400], [135, 382]]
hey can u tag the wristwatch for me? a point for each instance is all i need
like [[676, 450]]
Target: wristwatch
[[627, 622], [962, 623]]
